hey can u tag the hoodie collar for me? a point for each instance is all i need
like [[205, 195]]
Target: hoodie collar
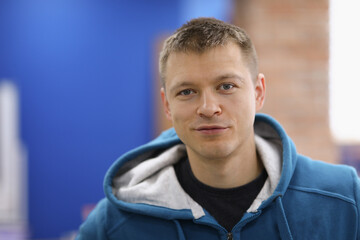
[[128, 182], [271, 131]]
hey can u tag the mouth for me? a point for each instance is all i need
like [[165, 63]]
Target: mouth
[[211, 129]]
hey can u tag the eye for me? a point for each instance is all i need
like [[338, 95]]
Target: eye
[[226, 86], [186, 92]]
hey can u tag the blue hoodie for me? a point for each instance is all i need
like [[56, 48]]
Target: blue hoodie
[[301, 199]]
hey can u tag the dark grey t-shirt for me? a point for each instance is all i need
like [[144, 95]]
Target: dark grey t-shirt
[[227, 206]]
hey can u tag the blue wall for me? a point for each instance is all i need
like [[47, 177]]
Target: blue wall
[[84, 73]]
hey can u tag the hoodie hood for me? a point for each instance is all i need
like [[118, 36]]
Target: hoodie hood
[[144, 181]]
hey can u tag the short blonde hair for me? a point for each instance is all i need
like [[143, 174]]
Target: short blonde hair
[[201, 34]]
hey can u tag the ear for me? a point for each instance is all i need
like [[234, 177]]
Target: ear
[[165, 104], [260, 91]]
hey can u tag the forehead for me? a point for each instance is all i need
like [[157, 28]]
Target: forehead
[[217, 61]]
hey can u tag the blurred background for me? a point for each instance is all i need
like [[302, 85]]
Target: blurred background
[[79, 87]]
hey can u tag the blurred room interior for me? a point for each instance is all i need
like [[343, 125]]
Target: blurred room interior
[[79, 87]]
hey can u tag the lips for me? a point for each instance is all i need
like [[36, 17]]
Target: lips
[[211, 129]]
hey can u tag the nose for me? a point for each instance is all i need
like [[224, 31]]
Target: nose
[[209, 105]]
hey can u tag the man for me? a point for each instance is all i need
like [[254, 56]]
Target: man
[[223, 172]]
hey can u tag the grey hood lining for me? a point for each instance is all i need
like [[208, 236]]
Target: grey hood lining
[[154, 182], [270, 155]]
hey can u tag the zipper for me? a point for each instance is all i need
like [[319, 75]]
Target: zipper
[[229, 236]]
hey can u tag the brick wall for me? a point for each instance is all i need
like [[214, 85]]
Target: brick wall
[[291, 38]]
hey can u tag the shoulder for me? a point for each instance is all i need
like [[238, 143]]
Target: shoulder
[[101, 220], [108, 221], [322, 201], [338, 181]]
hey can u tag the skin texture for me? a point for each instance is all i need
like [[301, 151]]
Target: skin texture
[[211, 99]]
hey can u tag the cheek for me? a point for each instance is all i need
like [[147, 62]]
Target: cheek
[[181, 113], [242, 107]]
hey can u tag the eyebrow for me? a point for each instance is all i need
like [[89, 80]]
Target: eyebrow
[[230, 75]]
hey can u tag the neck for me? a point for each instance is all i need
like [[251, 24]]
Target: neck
[[235, 170]]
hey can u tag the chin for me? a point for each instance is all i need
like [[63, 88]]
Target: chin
[[216, 151]]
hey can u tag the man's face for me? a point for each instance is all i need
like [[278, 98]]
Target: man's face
[[211, 100]]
